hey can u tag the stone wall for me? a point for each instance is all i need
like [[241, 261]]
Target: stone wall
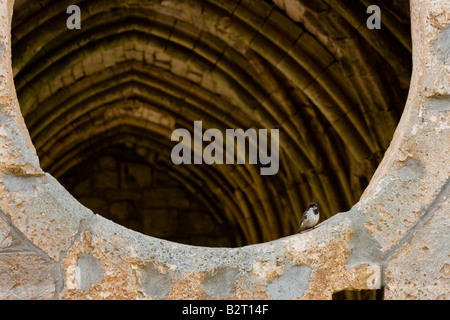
[[137, 71], [396, 236], [125, 188]]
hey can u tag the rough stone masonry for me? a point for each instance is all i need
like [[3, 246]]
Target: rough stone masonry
[[396, 236]]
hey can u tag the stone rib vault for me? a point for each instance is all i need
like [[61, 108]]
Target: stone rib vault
[[235, 64]]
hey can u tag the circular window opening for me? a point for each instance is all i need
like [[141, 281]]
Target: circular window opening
[[102, 93]]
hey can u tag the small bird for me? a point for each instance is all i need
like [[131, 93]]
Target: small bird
[[310, 217]]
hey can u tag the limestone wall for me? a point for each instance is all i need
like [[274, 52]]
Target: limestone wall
[[146, 199], [396, 236]]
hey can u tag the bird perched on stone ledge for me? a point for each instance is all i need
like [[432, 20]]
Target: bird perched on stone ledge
[[310, 217]]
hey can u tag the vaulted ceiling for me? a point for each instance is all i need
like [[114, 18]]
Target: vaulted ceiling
[[136, 70]]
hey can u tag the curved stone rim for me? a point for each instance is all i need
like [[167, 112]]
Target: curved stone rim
[[95, 258]]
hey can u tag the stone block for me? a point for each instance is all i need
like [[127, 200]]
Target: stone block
[[26, 276], [95, 203], [396, 236], [42, 207], [119, 211], [420, 269]]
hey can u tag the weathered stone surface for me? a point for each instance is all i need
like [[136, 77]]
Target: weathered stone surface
[[39, 207], [293, 267], [396, 236], [88, 271], [26, 276], [5, 233], [291, 284], [441, 46], [153, 283], [420, 268], [220, 283]]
